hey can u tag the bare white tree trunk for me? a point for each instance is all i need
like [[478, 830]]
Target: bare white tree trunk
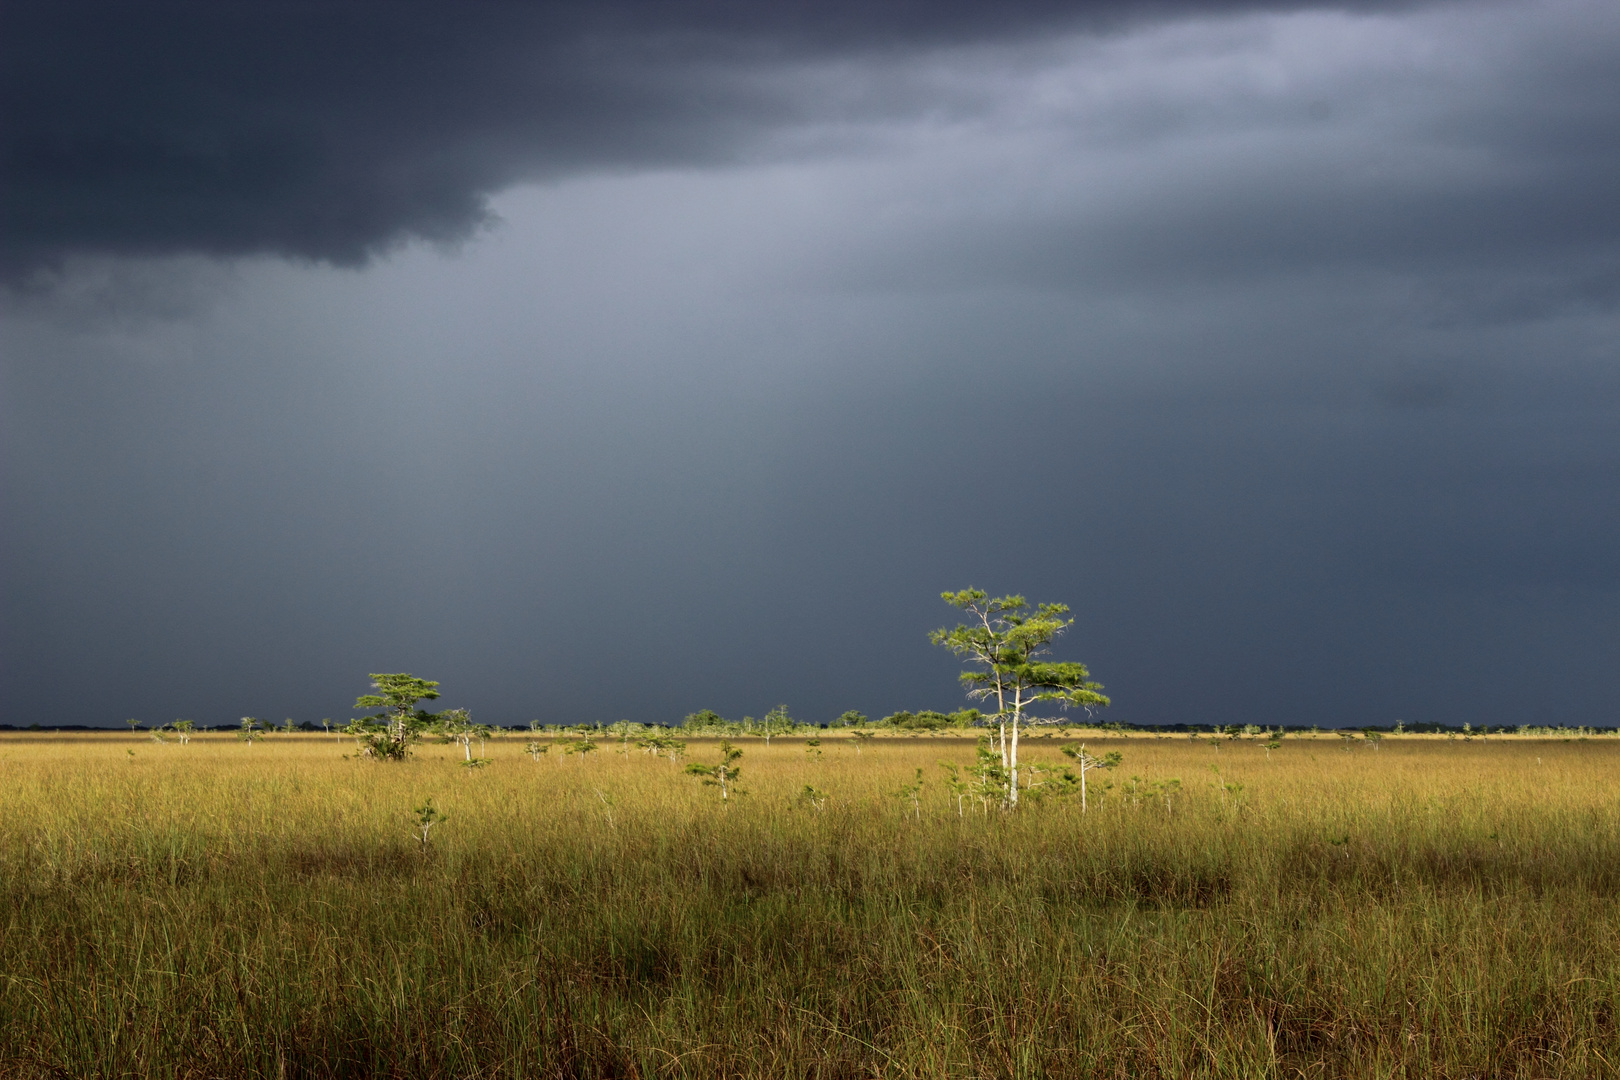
[[1012, 786]]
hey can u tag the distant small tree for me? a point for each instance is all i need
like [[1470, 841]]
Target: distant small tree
[[703, 720], [1085, 762], [910, 792], [622, 731], [776, 722], [456, 726], [959, 788], [581, 746], [926, 720], [535, 749], [182, 730], [389, 733], [812, 749], [657, 743], [251, 730], [990, 784], [724, 775], [861, 739], [426, 818], [850, 719]]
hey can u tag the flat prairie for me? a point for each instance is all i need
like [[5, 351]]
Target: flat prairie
[[1416, 907]]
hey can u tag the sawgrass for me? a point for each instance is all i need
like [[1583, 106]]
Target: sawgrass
[[1423, 908]]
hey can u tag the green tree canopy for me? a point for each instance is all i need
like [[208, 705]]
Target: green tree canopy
[[1006, 643], [389, 733]]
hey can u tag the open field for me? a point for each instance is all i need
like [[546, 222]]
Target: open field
[[1428, 907]]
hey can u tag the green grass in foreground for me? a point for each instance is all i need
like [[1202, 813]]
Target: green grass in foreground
[[1426, 908]]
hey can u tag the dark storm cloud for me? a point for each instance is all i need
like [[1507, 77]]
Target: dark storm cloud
[[332, 130], [1481, 185]]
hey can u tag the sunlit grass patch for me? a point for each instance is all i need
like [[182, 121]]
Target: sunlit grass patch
[[1415, 907]]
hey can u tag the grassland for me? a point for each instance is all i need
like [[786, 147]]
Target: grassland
[[1428, 908]]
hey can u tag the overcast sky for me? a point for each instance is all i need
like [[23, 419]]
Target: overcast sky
[[627, 359]]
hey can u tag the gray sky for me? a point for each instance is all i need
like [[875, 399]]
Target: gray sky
[[677, 356]]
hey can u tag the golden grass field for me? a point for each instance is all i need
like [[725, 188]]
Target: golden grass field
[[1425, 908]]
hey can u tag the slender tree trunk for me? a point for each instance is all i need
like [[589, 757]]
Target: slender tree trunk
[[1012, 789]]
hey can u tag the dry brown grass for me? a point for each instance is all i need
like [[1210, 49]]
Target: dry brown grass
[[1427, 908]]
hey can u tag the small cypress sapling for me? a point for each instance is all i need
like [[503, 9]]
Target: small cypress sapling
[[911, 791], [426, 818], [813, 797], [250, 731], [959, 788], [659, 744], [992, 775], [1167, 790], [724, 775], [777, 722], [1087, 762], [456, 726], [1227, 789], [581, 746], [812, 749], [622, 730], [861, 739], [182, 730]]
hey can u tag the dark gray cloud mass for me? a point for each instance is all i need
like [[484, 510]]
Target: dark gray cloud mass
[[1278, 339], [332, 130]]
